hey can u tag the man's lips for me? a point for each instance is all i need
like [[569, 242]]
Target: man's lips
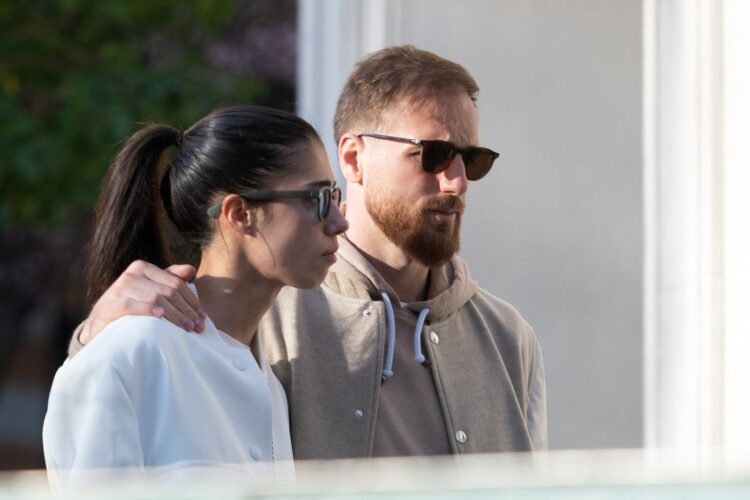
[[443, 215]]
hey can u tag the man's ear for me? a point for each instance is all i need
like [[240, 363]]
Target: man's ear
[[238, 215], [350, 148]]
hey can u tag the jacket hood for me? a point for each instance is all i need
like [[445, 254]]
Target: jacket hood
[[353, 276]]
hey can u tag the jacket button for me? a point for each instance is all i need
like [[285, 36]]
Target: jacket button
[[359, 413], [366, 312], [240, 363], [461, 436], [434, 337], [255, 453]]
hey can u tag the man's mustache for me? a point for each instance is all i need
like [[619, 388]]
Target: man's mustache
[[444, 203]]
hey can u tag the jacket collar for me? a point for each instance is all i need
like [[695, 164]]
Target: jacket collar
[[353, 276]]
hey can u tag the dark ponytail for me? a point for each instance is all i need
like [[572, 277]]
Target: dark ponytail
[[125, 228], [231, 149]]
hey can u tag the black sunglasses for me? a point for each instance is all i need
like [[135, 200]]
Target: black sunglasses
[[438, 155], [323, 197]]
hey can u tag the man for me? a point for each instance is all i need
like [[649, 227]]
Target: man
[[398, 352]]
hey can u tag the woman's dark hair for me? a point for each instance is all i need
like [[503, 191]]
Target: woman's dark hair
[[232, 149]]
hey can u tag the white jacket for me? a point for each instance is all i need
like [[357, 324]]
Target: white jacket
[[146, 396]]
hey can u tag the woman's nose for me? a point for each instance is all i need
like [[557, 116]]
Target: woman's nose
[[335, 223]]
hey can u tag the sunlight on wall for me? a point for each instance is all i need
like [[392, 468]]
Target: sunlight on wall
[[737, 221], [697, 172]]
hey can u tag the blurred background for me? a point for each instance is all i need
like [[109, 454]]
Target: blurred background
[[615, 220], [77, 77]]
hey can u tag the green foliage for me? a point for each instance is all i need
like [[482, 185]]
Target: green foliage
[[77, 77]]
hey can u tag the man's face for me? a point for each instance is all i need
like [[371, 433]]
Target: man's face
[[418, 211]]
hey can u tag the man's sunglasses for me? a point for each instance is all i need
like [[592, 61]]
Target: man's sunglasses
[[322, 196], [438, 155]]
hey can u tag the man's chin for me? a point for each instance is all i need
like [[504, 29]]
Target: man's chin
[[435, 242], [433, 252], [429, 235], [433, 261]]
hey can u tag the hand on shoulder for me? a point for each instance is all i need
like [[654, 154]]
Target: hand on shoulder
[[146, 290]]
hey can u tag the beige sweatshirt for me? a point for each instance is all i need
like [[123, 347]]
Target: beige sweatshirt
[[482, 389]]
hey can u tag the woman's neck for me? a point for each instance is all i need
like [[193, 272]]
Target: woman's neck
[[233, 294]]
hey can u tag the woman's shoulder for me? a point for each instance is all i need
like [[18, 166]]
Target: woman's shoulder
[[134, 332], [129, 341]]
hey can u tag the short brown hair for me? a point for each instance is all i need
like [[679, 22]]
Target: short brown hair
[[393, 74]]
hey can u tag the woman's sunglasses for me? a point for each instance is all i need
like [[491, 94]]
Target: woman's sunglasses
[[324, 196], [438, 155]]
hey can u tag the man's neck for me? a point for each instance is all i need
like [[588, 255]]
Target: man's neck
[[407, 277]]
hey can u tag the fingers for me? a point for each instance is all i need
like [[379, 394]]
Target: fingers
[[185, 272], [176, 316], [146, 290], [164, 289], [107, 310]]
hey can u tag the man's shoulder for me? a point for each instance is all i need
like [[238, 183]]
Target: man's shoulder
[[314, 300], [494, 303], [289, 295], [500, 316]]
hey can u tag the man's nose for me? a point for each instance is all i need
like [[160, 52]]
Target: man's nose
[[453, 179]]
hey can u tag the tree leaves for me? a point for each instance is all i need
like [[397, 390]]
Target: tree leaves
[[78, 76]]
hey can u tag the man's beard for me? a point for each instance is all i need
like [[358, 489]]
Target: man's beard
[[415, 229]]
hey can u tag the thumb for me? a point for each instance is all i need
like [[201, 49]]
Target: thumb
[[184, 271]]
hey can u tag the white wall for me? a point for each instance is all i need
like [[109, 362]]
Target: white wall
[[556, 228], [736, 258], [697, 245]]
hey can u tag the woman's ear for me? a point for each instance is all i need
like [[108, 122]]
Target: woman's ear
[[238, 214], [350, 148]]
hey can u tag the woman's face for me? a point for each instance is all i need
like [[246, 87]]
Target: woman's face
[[290, 244]]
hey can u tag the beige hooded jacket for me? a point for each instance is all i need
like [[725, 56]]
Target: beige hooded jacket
[[330, 349]]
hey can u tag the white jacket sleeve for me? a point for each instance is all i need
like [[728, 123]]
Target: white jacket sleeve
[[91, 423]]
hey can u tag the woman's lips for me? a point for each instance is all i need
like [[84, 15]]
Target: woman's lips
[[331, 254]]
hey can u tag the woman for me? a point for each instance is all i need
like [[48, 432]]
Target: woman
[[249, 192]]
